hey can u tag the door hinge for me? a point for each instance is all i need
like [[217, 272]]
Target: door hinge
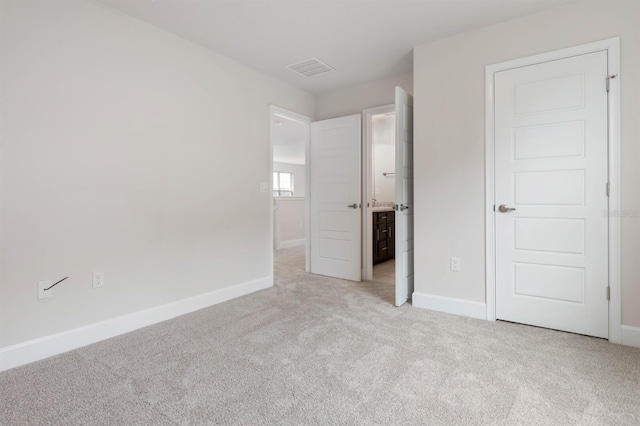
[[608, 293], [608, 189], [609, 77]]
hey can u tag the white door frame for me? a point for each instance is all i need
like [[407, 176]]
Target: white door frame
[[612, 46], [275, 111], [367, 187]]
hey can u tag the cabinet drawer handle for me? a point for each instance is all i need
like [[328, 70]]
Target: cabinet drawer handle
[[382, 217], [384, 230], [383, 249]]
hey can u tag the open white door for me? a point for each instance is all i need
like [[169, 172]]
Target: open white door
[[404, 196], [335, 198]]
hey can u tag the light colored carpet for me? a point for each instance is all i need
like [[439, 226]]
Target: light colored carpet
[[315, 350]]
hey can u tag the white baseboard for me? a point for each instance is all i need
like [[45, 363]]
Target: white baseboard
[[44, 347], [630, 336], [291, 243], [449, 305]]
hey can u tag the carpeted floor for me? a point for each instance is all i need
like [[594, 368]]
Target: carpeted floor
[[315, 350]]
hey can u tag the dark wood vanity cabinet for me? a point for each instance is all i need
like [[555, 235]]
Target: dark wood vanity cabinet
[[384, 247]]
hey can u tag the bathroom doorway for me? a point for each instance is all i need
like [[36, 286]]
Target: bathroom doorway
[[379, 228], [388, 211]]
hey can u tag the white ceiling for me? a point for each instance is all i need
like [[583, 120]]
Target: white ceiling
[[289, 140], [363, 40]]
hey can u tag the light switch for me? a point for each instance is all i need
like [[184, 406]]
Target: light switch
[[42, 293]]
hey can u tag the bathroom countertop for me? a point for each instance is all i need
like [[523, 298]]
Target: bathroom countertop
[[382, 209]]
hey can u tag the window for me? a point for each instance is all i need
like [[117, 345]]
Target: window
[[282, 184]]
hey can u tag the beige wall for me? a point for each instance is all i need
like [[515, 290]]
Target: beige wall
[[288, 220], [128, 150], [449, 139], [353, 100]]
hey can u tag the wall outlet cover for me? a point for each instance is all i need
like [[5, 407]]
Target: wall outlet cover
[[455, 264], [98, 279]]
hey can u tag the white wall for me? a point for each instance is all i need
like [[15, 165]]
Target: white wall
[[289, 220], [384, 157], [299, 177], [449, 139], [353, 100], [128, 150]]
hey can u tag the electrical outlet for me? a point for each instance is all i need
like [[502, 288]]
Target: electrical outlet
[[455, 264], [98, 279], [42, 294]]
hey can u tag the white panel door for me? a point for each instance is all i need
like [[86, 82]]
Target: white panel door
[[404, 196], [551, 169], [335, 199]]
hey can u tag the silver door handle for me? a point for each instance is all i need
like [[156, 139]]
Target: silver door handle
[[504, 209], [353, 206], [403, 207]]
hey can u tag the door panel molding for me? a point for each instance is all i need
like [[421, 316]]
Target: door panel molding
[[404, 196], [335, 197], [612, 47]]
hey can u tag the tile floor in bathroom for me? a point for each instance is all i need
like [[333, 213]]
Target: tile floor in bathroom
[[385, 272]]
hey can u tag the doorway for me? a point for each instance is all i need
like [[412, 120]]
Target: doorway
[[551, 182], [389, 171], [342, 209], [379, 186], [289, 183]]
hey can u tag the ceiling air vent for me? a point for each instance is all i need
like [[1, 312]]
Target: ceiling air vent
[[310, 67]]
